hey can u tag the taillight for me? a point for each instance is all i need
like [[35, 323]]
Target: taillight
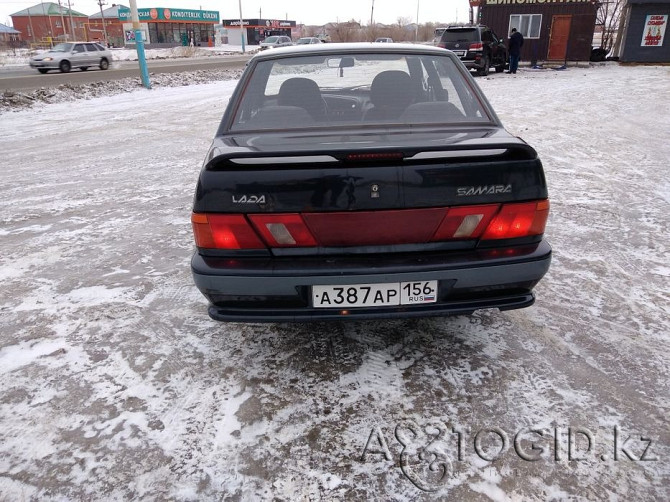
[[442, 45], [391, 227], [224, 231], [477, 46], [467, 222], [518, 220], [283, 230]]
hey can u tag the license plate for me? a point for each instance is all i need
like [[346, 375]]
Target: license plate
[[374, 295], [460, 54]]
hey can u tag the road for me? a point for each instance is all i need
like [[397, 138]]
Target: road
[[24, 78]]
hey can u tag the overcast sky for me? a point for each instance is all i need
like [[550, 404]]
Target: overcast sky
[[311, 12]]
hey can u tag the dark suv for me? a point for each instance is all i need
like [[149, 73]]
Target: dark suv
[[477, 46]]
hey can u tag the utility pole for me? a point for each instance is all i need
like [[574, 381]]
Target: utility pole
[[139, 44], [102, 15], [372, 12], [69, 9], [62, 21], [32, 30]]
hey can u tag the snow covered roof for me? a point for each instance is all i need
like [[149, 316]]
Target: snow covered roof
[[109, 13], [8, 29], [47, 9]]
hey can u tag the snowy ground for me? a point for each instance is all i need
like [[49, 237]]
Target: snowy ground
[[116, 385]]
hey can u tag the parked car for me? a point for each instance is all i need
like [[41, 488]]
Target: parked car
[[308, 41], [365, 181], [384, 40], [276, 41], [478, 47], [64, 57]]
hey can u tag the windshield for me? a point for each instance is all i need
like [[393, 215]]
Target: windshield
[[464, 35], [62, 48], [271, 40], [302, 41], [356, 89]]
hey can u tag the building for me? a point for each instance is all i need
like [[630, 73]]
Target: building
[[9, 37], [646, 38], [553, 30], [256, 30], [171, 27], [46, 23], [107, 21]]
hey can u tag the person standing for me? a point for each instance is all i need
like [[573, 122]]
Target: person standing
[[515, 43]]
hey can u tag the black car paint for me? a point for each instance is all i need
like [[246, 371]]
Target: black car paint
[[274, 284]]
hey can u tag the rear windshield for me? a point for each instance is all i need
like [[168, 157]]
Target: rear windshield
[[356, 89], [464, 35]]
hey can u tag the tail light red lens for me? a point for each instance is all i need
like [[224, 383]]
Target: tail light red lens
[[476, 47], [259, 231], [283, 230], [224, 231], [518, 220]]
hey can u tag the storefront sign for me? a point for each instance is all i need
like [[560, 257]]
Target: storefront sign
[[174, 15], [528, 2], [654, 30]]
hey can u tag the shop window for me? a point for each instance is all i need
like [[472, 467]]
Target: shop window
[[526, 24]]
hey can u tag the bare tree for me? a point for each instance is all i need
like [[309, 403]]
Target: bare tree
[[399, 31], [345, 32], [372, 32], [607, 19]]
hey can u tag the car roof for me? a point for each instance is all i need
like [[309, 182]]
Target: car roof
[[355, 47]]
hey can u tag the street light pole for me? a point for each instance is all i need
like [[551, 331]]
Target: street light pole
[[416, 33], [241, 26], [139, 44]]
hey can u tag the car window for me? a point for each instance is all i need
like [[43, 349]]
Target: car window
[[461, 35], [419, 88], [271, 40], [62, 48], [79, 48]]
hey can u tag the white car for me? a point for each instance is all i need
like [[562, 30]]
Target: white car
[[64, 57], [276, 41], [308, 40], [384, 40]]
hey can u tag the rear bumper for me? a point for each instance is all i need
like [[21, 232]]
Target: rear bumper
[[276, 290]]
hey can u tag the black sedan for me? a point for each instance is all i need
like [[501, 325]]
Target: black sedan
[[365, 181]]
